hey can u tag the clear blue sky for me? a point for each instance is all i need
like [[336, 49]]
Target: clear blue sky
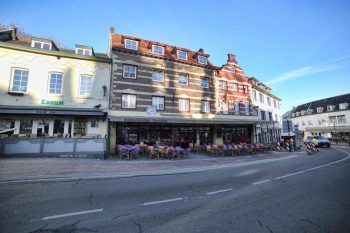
[[300, 48]]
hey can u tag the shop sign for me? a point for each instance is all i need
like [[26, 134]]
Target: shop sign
[[176, 115], [52, 102]]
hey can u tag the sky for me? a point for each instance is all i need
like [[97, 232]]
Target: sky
[[301, 49]]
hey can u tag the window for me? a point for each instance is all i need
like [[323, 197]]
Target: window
[[293, 114], [58, 128], [274, 104], [81, 51], [254, 95], [263, 116], [204, 82], [343, 106], [223, 85], [261, 96], [19, 80], [131, 44], [202, 60], [341, 119], [55, 84], [236, 108], [303, 112], [233, 69], [309, 111], [319, 109], [297, 114], [181, 55], [246, 108], [158, 75], [205, 106], [330, 107], [268, 100], [276, 117], [156, 49], [245, 89], [94, 124], [85, 85], [234, 87], [129, 71], [183, 79], [184, 105], [158, 102], [25, 126], [332, 120], [270, 116], [128, 101], [41, 45]]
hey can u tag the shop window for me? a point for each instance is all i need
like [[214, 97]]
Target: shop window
[[42, 128], [58, 128], [25, 126], [7, 125], [79, 128]]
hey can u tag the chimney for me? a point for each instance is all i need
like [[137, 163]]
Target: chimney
[[111, 30], [201, 50], [232, 58], [14, 33]]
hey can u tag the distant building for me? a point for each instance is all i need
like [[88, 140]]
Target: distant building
[[329, 117], [267, 108]]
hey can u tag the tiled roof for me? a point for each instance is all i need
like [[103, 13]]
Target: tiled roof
[[336, 100], [145, 49]]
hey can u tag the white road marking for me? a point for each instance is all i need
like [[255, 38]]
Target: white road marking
[[260, 182], [314, 168], [163, 201], [219, 191], [72, 214]]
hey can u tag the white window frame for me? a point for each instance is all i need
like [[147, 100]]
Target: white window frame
[[178, 52], [184, 105], [233, 87], [343, 106], [129, 44], [41, 44], [274, 103], [222, 86], [129, 66], [261, 98], [330, 108], [309, 111], [92, 81], [268, 100], [183, 75], [12, 80], [320, 109], [156, 103], [255, 96], [129, 97], [157, 72], [49, 87], [154, 51], [201, 61], [205, 106], [86, 52]]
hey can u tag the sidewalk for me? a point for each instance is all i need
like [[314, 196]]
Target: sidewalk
[[17, 169]]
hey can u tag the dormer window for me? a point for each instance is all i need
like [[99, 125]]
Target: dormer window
[[131, 44], [309, 111], [293, 114], [156, 49], [41, 45], [83, 51], [303, 112], [297, 114], [319, 109], [330, 108], [181, 55], [202, 60], [343, 106]]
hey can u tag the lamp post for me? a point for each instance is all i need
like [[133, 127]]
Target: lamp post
[[335, 134]]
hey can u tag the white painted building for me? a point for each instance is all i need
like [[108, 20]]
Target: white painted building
[[267, 108], [46, 91], [329, 117]]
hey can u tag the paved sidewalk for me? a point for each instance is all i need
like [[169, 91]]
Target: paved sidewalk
[[12, 169]]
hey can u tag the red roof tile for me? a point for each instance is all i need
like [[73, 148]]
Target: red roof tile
[[145, 46]]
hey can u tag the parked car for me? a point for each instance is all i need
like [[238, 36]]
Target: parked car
[[321, 141]]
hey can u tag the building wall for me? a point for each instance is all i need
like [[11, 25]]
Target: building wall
[[320, 123], [145, 88], [40, 66]]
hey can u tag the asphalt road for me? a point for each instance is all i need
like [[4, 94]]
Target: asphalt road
[[299, 194]]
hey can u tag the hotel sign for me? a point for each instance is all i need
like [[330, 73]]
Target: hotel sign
[[52, 102]]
